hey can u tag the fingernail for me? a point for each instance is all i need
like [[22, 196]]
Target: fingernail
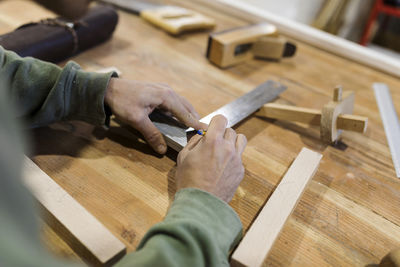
[[161, 149]]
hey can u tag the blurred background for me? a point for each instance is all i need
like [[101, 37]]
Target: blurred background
[[373, 23]]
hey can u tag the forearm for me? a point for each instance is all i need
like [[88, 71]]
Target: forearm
[[199, 230], [45, 93]]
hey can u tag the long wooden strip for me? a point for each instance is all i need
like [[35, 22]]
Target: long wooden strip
[[310, 116], [258, 241], [90, 239], [390, 121], [323, 40]]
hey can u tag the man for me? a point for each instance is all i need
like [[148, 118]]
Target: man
[[199, 228]]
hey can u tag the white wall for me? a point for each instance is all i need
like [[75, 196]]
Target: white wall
[[299, 10]]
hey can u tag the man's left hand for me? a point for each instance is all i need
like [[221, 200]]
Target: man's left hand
[[133, 101]]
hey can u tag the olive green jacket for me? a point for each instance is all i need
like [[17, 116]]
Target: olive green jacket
[[198, 230]]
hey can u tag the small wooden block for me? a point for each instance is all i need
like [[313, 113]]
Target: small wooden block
[[269, 47], [233, 46], [330, 113], [337, 94], [90, 239], [176, 20], [258, 241]]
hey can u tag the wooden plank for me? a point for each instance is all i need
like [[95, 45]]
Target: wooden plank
[[311, 116], [258, 241], [82, 231]]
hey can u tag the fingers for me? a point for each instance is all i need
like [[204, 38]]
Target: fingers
[[190, 145], [193, 142], [180, 112], [216, 129], [180, 108], [189, 107], [241, 142], [204, 126], [152, 135], [230, 136]]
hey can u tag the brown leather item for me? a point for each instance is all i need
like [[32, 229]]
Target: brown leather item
[[57, 39]]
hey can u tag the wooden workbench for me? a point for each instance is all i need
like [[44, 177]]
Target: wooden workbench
[[348, 215]]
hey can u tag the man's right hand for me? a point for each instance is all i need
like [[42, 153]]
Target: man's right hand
[[213, 163]]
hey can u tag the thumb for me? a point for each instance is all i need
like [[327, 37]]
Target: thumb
[[152, 135]]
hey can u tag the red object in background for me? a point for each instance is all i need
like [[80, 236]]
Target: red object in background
[[379, 7]]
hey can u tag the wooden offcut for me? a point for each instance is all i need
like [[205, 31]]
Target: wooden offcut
[[259, 239], [90, 239]]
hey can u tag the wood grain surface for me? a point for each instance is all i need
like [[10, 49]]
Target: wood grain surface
[[349, 214], [83, 232], [259, 239]]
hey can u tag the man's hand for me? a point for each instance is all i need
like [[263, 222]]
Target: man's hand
[[213, 163], [133, 101]]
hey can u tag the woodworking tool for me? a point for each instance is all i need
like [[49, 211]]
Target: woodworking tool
[[176, 134], [233, 46], [334, 117], [390, 122], [172, 19]]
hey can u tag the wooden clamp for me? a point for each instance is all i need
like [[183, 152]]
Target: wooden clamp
[[230, 47], [334, 117]]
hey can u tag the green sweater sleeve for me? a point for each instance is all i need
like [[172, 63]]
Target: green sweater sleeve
[[45, 93], [199, 230]]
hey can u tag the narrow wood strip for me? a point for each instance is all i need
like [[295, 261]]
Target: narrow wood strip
[[390, 121], [311, 116], [291, 113], [258, 241], [90, 239]]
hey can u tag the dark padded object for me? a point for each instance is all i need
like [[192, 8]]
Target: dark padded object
[[55, 40]]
